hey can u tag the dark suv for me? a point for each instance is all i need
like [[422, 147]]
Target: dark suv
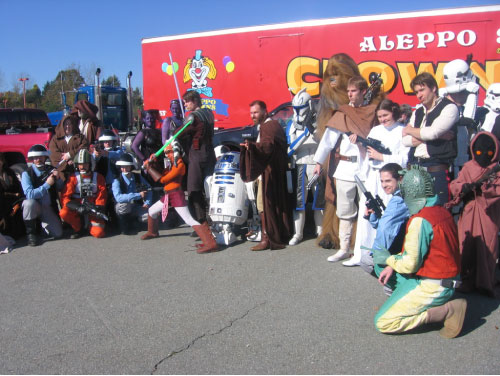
[[233, 137]]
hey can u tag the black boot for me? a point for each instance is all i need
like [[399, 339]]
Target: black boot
[[32, 232], [126, 223]]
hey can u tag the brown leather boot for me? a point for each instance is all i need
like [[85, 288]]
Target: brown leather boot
[[152, 229], [454, 319], [207, 239], [264, 243]]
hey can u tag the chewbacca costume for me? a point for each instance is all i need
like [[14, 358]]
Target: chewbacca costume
[[342, 67]]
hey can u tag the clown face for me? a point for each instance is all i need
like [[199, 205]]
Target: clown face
[[198, 72]]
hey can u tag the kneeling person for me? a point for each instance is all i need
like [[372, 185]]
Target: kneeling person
[[84, 194], [427, 269], [39, 185], [132, 194]]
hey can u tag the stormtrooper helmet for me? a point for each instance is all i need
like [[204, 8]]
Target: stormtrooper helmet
[[301, 104], [457, 75], [492, 100]]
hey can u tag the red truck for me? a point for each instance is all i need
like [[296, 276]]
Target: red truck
[[232, 67], [20, 128]]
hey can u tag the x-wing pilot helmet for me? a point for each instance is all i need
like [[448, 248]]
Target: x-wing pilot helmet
[[83, 161], [492, 100], [301, 104], [416, 187], [457, 75]]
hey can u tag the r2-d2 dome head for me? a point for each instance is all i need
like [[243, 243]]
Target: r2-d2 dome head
[[301, 104], [492, 100], [457, 75]]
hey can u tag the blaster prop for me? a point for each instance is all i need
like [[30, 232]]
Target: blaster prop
[[314, 180], [87, 208], [47, 173], [373, 143], [147, 188], [49, 170], [488, 174], [375, 84], [374, 203]]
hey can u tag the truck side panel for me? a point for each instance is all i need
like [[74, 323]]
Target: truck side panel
[[233, 67]]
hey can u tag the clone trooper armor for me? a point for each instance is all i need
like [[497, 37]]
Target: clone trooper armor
[[302, 146]]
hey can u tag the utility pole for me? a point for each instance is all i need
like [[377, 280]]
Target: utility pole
[[24, 79]]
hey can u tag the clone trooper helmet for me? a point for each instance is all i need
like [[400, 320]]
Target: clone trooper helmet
[[301, 104], [492, 100], [457, 75]]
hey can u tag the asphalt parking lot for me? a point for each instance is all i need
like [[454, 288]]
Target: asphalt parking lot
[[121, 305]]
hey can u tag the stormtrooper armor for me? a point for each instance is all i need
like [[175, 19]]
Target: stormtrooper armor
[[492, 100]]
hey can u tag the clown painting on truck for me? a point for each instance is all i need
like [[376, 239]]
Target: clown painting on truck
[[231, 67]]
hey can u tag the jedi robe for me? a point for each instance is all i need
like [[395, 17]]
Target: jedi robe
[[268, 158], [479, 224]]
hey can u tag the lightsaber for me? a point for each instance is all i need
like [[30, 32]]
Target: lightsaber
[[176, 84], [169, 141]]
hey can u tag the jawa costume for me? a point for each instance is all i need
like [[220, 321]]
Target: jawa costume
[[61, 144], [89, 125], [268, 158], [339, 70], [479, 223], [174, 196], [89, 186]]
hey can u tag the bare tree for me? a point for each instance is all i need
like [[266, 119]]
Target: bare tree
[[88, 73]]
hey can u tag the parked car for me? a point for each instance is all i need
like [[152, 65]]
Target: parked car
[[21, 128]]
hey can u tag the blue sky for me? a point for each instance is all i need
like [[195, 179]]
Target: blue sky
[[42, 37]]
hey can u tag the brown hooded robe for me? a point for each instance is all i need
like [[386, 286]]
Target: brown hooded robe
[[94, 125], [269, 159], [479, 224], [58, 145]]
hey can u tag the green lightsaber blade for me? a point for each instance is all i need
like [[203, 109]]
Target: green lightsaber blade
[[169, 141]]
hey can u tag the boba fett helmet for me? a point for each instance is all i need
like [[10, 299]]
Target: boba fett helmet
[[417, 185]]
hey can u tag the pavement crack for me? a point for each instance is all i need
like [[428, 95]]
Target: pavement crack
[[230, 324]]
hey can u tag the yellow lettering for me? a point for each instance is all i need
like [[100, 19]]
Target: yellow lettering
[[296, 73], [407, 72], [488, 76]]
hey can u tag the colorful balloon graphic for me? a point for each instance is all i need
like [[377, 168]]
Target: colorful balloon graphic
[[228, 64], [168, 69], [230, 67]]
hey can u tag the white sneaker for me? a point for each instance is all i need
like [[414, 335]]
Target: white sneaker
[[295, 240], [340, 255], [353, 261]]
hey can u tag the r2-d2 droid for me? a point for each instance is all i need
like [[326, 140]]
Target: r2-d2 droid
[[228, 198]]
